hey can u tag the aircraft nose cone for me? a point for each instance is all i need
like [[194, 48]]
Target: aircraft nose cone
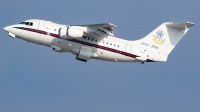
[[7, 29]]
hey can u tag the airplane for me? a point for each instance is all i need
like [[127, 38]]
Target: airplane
[[97, 41]]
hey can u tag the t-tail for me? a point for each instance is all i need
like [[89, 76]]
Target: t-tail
[[160, 42]]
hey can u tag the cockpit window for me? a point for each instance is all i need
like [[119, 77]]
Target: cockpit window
[[31, 24], [22, 23], [27, 23]]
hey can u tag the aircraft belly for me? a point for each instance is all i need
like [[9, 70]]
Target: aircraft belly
[[65, 45], [116, 57], [73, 47]]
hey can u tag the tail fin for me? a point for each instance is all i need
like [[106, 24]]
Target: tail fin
[[164, 38]]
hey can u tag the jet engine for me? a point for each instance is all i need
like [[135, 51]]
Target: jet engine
[[67, 32]]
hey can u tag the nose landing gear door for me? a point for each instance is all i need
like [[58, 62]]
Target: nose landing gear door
[[41, 25]]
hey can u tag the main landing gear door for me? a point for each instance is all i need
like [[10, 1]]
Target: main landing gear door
[[85, 53]]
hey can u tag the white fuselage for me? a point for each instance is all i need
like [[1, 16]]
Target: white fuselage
[[109, 48]]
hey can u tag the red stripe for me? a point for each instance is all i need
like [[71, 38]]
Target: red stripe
[[54, 35], [86, 43], [34, 30], [104, 48]]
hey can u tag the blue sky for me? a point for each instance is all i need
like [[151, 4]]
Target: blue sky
[[37, 79]]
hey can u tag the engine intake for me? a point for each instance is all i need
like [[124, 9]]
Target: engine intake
[[70, 32]]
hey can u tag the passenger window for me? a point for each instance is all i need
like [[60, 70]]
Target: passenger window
[[110, 43], [114, 44], [107, 43], [26, 23], [92, 39], [95, 40], [84, 37], [118, 46], [88, 38]]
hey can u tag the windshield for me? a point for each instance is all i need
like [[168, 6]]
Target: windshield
[[22, 23], [27, 23]]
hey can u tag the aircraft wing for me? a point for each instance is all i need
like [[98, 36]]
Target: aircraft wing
[[99, 30]]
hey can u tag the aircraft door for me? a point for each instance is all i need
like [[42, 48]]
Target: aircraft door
[[41, 25], [128, 48]]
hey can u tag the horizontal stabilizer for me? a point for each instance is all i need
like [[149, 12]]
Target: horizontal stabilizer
[[181, 26]]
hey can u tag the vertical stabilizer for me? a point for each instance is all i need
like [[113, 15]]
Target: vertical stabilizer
[[164, 38]]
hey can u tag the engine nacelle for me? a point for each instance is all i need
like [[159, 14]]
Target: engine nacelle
[[67, 32]]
